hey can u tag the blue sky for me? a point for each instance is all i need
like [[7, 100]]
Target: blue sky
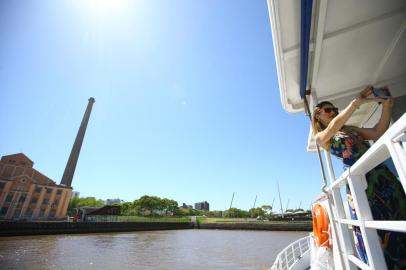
[[187, 100]]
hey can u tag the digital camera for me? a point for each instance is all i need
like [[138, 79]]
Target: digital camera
[[381, 92]]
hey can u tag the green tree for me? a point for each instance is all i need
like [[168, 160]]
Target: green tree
[[256, 212], [267, 208], [169, 206], [81, 202], [148, 204], [126, 208], [236, 213]]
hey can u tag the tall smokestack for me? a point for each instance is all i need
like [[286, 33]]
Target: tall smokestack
[[74, 154]]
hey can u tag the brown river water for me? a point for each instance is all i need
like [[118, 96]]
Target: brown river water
[[176, 249]]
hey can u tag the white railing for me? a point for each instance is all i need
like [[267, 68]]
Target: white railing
[[292, 254], [391, 145]]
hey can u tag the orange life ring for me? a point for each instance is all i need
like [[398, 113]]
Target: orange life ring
[[320, 226]]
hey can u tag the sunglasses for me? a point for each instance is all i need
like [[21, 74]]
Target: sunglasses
[[330, 109]]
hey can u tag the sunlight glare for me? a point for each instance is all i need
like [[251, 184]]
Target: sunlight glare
[[104, 7]]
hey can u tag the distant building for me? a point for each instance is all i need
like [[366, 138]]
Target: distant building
[[25, 193], [185, 206], [202, 206], [113, 201], [75, 194]]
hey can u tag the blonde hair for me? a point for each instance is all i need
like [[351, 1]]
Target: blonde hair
[[317, 125]]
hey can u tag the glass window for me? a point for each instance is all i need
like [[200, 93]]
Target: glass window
[[37, 189], [17, 213], [28, 213], [2, 185], [42, 213], [45, 201], [22, 199], [34, 200], [9, 197], [59, 192], [49, 190], [3, 211]]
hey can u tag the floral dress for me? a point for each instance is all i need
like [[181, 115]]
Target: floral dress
[[385, 195]]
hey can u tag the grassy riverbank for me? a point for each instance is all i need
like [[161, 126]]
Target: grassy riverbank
[[152, 219], [207, 220], [253, 224], [203, 220]]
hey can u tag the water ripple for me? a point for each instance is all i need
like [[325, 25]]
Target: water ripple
[[158, 250]]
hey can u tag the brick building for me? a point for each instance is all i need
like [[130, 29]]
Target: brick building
[[27, 194]]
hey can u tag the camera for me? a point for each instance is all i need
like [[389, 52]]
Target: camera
[[381, 92]]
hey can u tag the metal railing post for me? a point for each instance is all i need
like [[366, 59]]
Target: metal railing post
[[370, 237]]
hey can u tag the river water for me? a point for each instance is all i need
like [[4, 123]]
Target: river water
[[176, 249]]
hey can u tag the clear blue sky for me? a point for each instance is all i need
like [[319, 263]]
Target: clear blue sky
[[187, 100]]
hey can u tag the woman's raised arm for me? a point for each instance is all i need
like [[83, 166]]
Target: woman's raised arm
[[376, 132], [323, 137]]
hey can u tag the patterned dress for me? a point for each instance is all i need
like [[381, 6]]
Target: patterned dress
[[385, 195]]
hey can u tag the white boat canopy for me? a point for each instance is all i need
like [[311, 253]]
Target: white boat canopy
[[352, 44]]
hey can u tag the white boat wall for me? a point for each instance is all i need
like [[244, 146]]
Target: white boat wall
[[331, 50]]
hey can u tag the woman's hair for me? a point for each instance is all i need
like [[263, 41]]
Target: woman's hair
[[316, 124]]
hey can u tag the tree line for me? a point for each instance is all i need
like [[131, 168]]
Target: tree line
[[156, 206], [76, 202]]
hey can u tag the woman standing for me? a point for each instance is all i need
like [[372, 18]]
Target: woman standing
[[385, 194]]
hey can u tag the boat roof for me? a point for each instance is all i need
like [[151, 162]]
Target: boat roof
[[352, 44]]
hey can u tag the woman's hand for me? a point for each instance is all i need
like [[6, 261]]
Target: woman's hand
[[386, 101], [366, 92], [363, 96], [376, 132]]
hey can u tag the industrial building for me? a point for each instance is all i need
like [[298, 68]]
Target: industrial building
[[25, 193], [202, 206]]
